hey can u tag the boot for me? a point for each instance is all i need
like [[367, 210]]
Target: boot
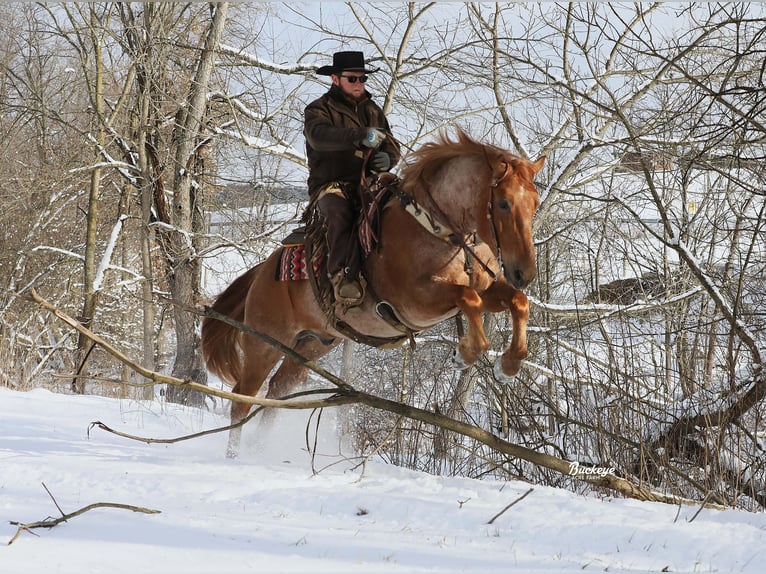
[[347, 291]]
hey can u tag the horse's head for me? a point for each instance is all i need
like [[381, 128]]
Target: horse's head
[[513, 202], [458, 179]]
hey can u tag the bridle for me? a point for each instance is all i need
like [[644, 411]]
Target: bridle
[[491, 217]]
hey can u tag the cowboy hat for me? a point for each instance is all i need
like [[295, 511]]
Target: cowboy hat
[[345, 61]]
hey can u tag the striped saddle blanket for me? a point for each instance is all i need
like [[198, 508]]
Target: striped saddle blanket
[[293, 263]]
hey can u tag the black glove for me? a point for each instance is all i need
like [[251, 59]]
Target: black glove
[[380, 161], [373, 137]]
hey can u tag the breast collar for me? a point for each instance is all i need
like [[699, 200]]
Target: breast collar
[[467, 241]]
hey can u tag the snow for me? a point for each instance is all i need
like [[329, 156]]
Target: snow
[[268, 512], [264, 63], [106, 259]]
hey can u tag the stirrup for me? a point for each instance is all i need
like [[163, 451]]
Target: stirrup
[[348, 292]]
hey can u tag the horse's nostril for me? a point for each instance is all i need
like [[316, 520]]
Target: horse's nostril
[[518, 278]]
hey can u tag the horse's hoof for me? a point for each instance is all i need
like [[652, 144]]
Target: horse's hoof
[[457, 361], [500, 375]]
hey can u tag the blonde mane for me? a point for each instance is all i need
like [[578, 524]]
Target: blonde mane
[[421, 165]]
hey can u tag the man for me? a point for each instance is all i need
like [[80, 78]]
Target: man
[[341, 128]]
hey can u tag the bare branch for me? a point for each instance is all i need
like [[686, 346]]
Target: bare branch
[[51, 522]]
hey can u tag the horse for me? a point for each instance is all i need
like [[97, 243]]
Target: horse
[[457, 238]]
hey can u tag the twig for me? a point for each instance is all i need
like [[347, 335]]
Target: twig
[[52, 498], [312, 449], [331, 401], [51, 522], [150, 440], [702, 505], [519, 499]]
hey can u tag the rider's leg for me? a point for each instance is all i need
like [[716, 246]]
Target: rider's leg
[[341, 246]]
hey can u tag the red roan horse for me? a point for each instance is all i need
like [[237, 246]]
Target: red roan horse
[[473, 218]]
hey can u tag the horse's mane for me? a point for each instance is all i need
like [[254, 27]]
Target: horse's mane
[[420, 165]]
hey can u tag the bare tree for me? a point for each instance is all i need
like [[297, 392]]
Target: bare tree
[[186, 210], [88, 42]]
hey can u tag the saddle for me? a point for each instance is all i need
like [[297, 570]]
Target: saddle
[[304, 254]]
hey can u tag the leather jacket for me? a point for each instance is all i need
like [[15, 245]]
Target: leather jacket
[[334, 125]]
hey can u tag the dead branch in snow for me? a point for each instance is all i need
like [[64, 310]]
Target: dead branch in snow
[[519, 499], [329, 402], [50, 522]]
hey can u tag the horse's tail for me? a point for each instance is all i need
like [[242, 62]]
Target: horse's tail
[[220, 341]]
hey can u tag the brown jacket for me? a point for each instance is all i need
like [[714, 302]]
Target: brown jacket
[[334, 125]]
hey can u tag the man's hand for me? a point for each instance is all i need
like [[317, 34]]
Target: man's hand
[[373, 138], [380, 161]]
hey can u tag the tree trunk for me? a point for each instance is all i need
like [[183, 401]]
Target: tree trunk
[[147, 199], [187, 203], [90, 297]]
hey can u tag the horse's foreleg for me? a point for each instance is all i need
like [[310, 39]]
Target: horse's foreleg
[[474, 343], [501, 297], [516, 352]]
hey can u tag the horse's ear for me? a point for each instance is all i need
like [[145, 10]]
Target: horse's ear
[[538, 165]]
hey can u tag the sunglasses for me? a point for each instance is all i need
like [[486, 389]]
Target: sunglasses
[[353, 79]]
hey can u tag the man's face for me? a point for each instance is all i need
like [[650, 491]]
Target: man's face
[[350, 82]]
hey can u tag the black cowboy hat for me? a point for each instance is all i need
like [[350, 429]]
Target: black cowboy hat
[[345, 61]]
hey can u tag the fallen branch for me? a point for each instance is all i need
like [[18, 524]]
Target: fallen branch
[[161, 379], [50, 522], [519, 499], [332, 401], [346, 394]]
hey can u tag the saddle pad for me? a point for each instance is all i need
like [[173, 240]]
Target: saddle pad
[[293, 266]]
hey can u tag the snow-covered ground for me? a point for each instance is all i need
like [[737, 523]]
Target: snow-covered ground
[[267, 511]]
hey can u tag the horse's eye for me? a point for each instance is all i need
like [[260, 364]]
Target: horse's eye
[[504, 204]]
